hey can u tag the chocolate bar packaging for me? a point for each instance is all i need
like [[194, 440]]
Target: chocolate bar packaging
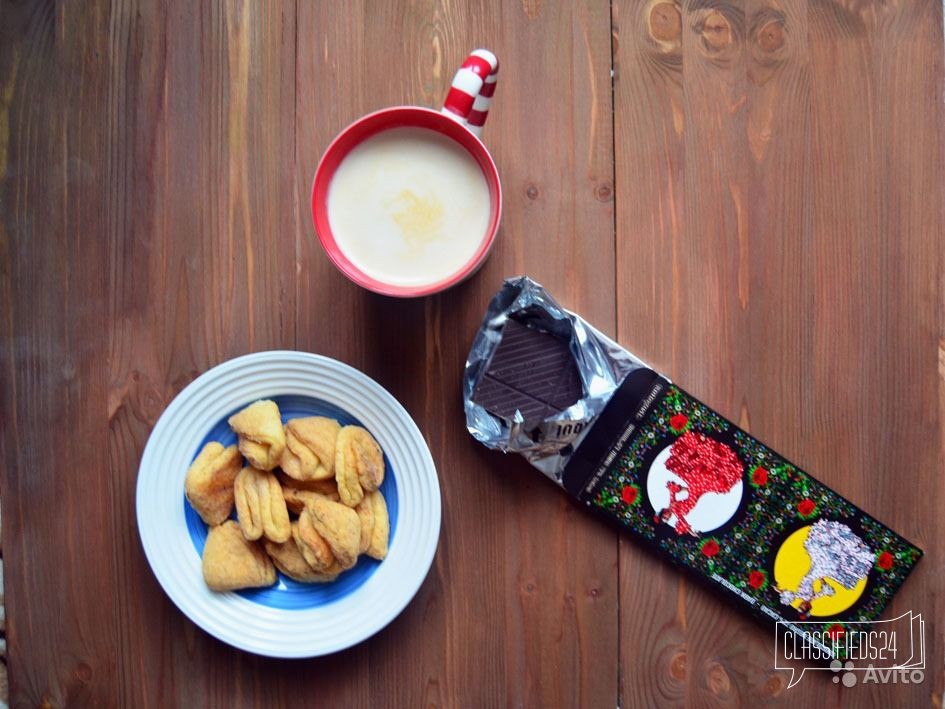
[[637, 449]]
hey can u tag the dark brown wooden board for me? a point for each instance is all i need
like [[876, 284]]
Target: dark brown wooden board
[[753, 203], [779, 249]]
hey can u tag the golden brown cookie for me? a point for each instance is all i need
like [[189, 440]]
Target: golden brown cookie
[[366, 515], [289, 560], [310, 448], [359, 464], [260, 433], [209, 482], [312, 545], [297, 493], [230, 561], [296, 499], [380, 533], [260, 506], [338, 525], [328, 488]]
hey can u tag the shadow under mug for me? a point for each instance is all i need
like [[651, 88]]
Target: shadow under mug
[[461, 120]]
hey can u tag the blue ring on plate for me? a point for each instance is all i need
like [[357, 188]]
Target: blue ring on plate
[[287, 594]]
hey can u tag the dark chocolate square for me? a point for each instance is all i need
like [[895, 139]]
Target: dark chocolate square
[[530, 371]]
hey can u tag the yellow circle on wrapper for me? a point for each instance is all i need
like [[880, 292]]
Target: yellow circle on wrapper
[[792, 563]]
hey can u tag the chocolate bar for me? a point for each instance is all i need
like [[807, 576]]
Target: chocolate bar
[[638, 450], [531, 374]]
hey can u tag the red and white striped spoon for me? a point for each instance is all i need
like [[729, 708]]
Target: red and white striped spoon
[[471, 92]]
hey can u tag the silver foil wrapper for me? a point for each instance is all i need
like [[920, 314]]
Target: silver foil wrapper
[[601, 363]]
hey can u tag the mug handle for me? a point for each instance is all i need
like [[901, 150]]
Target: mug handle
[[471, 92]]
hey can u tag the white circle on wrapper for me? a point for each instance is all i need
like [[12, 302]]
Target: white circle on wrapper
[[712, 510], [171, 553]]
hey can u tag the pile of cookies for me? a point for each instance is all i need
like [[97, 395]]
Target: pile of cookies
[[307, 503]]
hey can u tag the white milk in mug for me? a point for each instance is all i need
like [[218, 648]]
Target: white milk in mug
[[409, 206]]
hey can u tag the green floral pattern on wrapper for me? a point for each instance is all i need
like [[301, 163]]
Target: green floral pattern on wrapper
[[779, 499]]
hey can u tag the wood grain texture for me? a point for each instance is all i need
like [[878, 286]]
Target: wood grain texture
[[774, 170], [779, 219]]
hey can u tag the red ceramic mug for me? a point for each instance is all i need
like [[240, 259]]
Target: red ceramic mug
[[460, 121]]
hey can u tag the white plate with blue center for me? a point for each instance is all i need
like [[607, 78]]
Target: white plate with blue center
[[289, 619]]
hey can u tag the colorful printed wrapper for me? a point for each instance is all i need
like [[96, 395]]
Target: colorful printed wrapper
[[692, 485]]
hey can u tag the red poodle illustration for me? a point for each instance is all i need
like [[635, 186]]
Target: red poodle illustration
[[705, 465]]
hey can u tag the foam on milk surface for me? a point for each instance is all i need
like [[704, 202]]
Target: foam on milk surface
[[409, 206]]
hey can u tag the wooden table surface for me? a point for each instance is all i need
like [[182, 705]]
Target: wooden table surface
[[746, 193]]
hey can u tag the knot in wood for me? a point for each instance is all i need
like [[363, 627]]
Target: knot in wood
[[665, 22], [720, 684], [83, 672], [677, 665], [771, 36], [774, 685], [716, 31]]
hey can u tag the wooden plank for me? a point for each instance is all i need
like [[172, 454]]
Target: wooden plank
[[520, 606], [58, 533], [778, 249], [877, 124], [151, 170], [649, 146], [202, 134]]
